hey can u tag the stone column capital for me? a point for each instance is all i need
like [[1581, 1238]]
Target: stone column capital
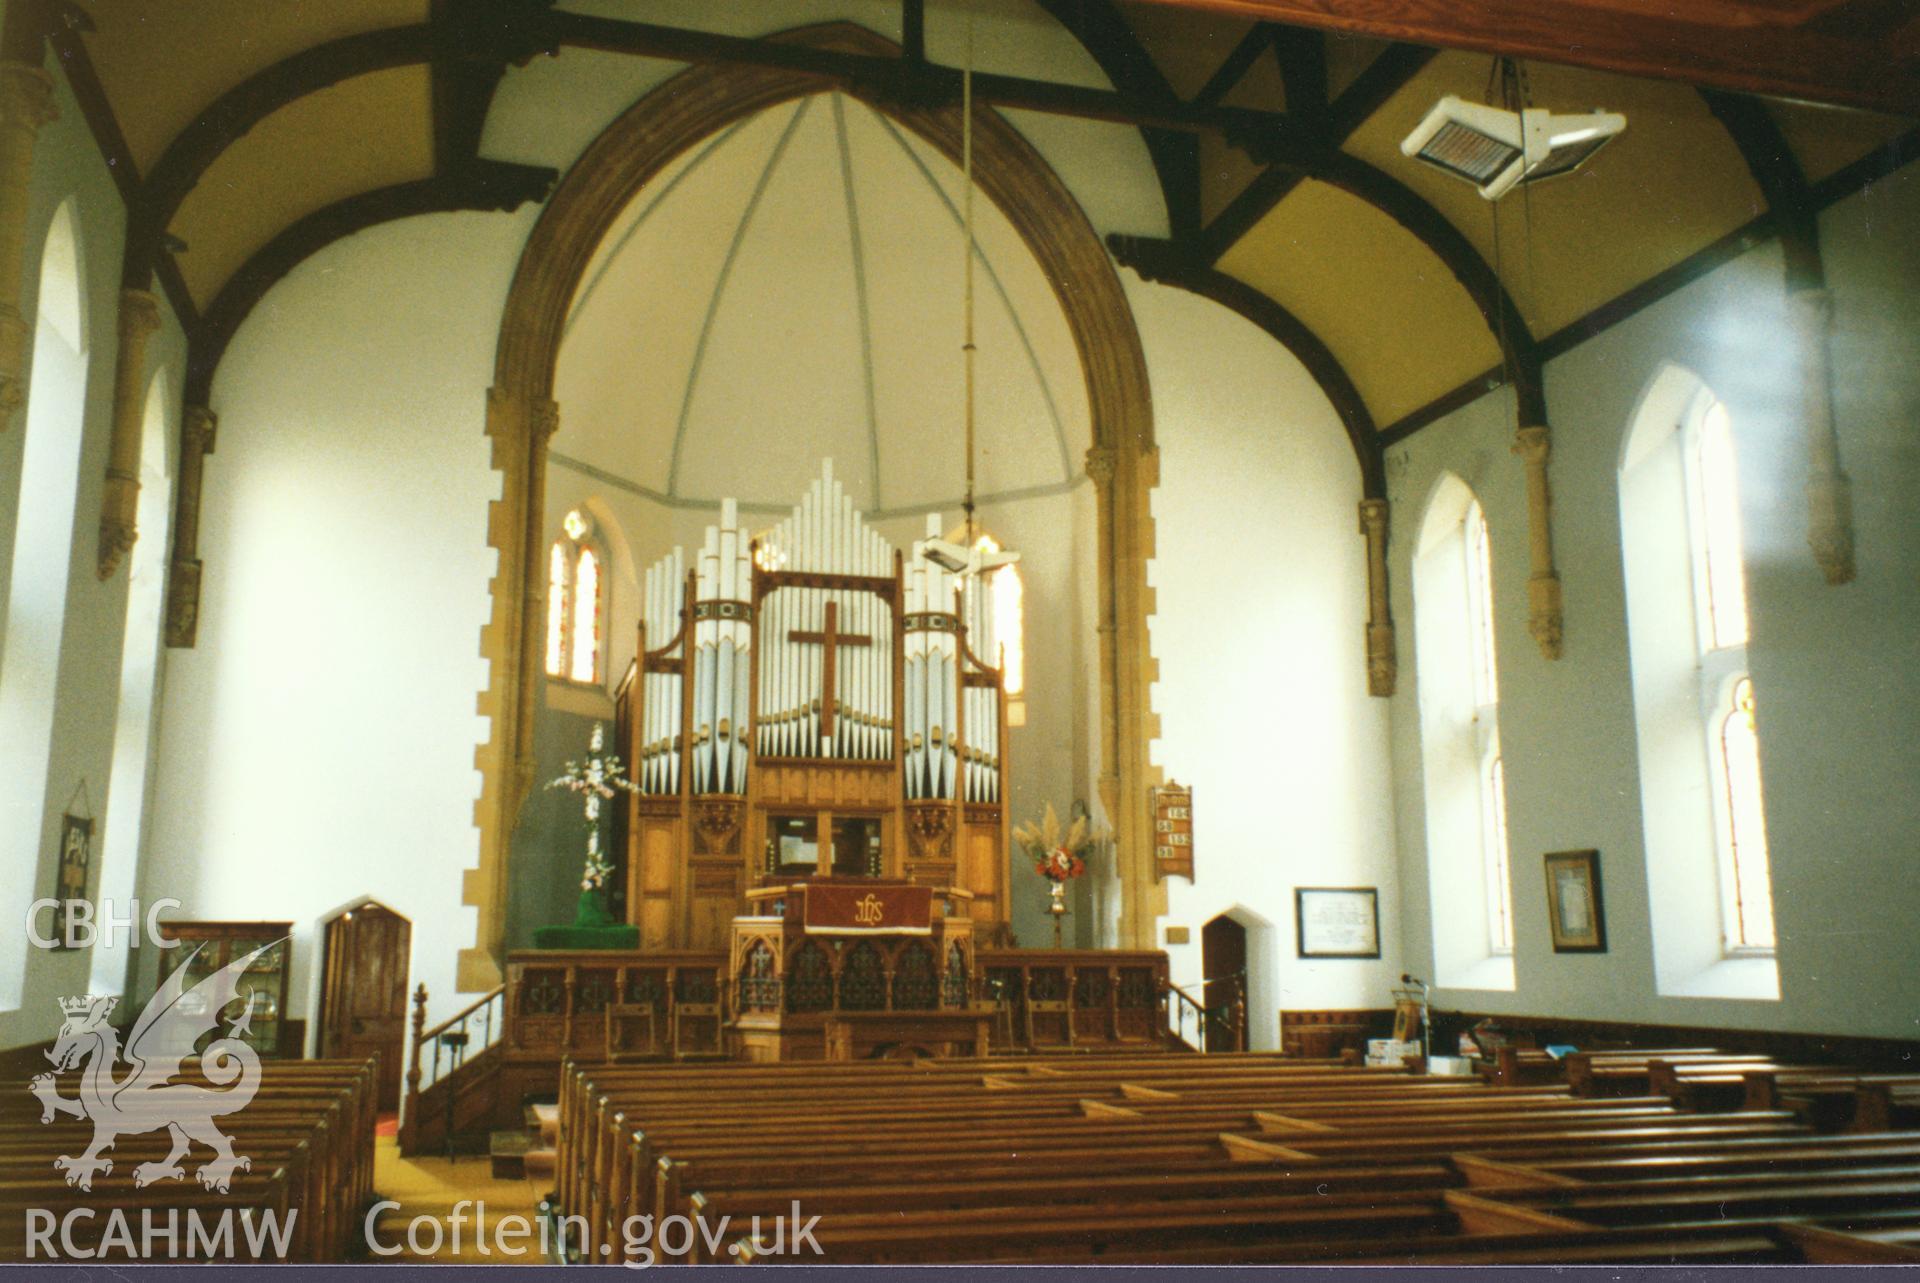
[[26, 96], [1533, 445], [199, 427], [139, 313]]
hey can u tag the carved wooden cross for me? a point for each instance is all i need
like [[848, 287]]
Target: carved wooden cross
[[832, 639]]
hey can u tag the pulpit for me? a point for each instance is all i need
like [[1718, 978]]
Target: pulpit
[[854, 967]]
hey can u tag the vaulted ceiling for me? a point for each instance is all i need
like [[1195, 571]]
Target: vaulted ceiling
[[792, 290], [247, 135]]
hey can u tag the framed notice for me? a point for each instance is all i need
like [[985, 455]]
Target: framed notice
[[1337, 922], [70, 879], [1172, 831], [1574, 910]]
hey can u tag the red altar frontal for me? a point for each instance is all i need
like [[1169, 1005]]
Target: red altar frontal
[[848, 968]]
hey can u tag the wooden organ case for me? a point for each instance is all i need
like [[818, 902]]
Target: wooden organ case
[[809, 703]]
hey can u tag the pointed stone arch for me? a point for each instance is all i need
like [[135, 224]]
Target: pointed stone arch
[[522, 416]]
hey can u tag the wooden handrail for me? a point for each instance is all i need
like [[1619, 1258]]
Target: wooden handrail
[[457, 1017], [1236, 1009]]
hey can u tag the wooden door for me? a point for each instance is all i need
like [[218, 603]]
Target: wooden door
[[363, 1005], [1223, 960]]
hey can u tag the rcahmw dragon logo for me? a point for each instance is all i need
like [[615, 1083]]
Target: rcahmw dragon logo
[[146, 1098]]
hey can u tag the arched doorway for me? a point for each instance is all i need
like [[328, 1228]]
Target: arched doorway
[[1223, 961], [363, 996]]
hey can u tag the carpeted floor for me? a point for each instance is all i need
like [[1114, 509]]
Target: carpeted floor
[[430, 1190]]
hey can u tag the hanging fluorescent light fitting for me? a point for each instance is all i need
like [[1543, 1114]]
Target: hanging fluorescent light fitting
[[1496, 149]]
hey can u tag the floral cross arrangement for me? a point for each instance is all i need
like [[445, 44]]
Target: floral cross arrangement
[[1056, 857], [595, 779]]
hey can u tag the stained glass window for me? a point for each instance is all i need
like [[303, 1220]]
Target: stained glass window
[[575, 593]]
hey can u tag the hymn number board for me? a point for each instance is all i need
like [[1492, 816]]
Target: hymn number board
[[1173, 831]]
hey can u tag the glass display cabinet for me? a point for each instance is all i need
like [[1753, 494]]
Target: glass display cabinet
[[206, 947]]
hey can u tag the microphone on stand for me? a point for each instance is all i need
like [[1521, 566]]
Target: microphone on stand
[[1426, 1018]]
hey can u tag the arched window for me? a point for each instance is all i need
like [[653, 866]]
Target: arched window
[[1694, 702], [1486, 694], [576, 593], [1733, 745], [1469, 870], [38, 564]]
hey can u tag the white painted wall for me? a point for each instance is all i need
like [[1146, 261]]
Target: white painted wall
[[1260, 578], [1832, 667], [317, 743]]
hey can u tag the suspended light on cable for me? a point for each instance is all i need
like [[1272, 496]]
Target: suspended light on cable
[[1495, 149], [972, 559]]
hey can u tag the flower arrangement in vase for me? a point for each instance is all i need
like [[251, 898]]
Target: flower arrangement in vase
[[1058, 857]]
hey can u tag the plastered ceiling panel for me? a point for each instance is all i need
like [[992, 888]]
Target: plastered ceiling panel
[[164, 61], [1387, 308], [1671, 185], [365, 133], [1828, 139], [792, 289]]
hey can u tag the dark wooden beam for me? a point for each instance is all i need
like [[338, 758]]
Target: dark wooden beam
[[897, 79], [1171, 263], [1775, 170], [1302, 58], [1234, 67], [1750, 48], [1111, 43], [474, 42], [1384, 77], [487, 185], [913, 29], [1869, 169]]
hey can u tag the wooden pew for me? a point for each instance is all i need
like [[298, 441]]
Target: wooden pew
[[307, 1133], [1209, 1159]]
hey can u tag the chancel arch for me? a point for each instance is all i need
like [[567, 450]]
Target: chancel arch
[[522, 416]]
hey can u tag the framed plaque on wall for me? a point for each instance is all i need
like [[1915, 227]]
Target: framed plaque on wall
[[1337, 922]]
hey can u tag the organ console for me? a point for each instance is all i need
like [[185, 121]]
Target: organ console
[[808, 702]]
